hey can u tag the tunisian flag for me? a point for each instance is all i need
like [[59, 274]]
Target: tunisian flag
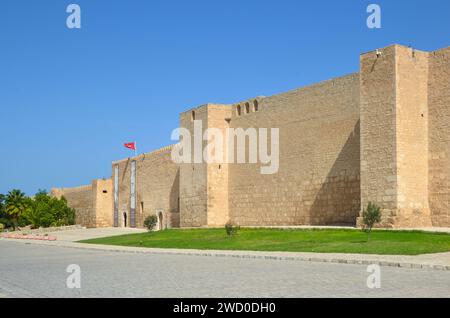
[[130, 145]]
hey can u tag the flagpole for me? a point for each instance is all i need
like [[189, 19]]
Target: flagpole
[[135, 148]]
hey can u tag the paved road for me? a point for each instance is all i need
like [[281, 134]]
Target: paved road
[[40, 271]]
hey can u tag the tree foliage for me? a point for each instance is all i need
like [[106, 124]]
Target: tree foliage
[[4, 219], [40, 211], [16, 204]]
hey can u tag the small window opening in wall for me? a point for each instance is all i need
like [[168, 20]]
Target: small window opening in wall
[[193, 115], [238, 110], [220, 167], [421, 115], [105, 191], [247, 108], [255, 105], [142, 207]]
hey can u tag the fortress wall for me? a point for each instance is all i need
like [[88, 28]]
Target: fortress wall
[[157, 187], [412, 137], [318, 177], [82, 200], [103, 202], [217, 173], [394, 130], [381, 135], [193, 176], [123, 204], [378, 130], [439, 136]]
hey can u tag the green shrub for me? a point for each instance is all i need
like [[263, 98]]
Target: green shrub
[[231, 228], [42, 210], [48, 211], [150, 222], [371, 216], [2, 227]]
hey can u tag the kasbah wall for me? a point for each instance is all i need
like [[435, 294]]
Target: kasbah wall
[[380, 135]]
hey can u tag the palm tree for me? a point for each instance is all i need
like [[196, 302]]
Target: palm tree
[[3, 217], [15, 205], [2, 199]]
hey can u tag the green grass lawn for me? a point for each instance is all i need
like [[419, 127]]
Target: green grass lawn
[[316, 240]]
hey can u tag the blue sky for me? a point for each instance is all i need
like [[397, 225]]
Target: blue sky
[[69, 99]]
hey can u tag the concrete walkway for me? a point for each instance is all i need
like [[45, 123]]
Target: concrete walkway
[[69, 238], [78, 233], [87, 234], [438, 261]]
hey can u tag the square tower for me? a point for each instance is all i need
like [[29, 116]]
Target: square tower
[[394, 135]]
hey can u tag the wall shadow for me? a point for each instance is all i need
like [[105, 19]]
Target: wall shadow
[[174, 202], [337, 201]]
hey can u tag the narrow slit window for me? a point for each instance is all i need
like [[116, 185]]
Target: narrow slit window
[[255, 105]]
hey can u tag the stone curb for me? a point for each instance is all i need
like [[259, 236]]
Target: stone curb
[[236, 254]]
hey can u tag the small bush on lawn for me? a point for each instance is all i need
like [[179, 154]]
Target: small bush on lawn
[[150, 222], [2, 227], [231, 228], [371, 216]]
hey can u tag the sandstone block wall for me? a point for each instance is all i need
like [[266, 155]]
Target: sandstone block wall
[[318, 177], [81, 199], [157, 188], [203, 186], [394, 135], [193, 176], [412, 137], [380, 135], [439, 136], [92, 203], [405, 135], [102, 191]]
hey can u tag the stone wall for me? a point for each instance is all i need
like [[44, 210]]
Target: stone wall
[[380, 135], [102, 202], [405, 134], [204, 187], [157, 188], [318, 177], [439, 132], [412, 138], [81, 199], [193, 176], [92, 203]]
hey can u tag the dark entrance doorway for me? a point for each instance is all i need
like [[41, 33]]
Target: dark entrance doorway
[[124, 219], [160, 219]]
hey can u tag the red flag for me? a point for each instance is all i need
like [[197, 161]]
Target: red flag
[[130, 145]]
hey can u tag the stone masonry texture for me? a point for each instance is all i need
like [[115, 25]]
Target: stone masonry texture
[[381, 135]]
